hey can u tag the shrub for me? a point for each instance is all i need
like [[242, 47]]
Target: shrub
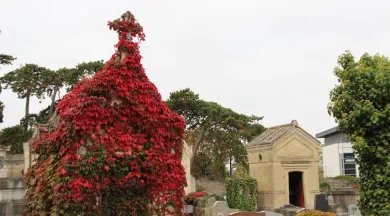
[[199, 188], [315, 213], [360, 103], [325, 187], [191, 197], [350, 180], [241, 192], [217, 197]]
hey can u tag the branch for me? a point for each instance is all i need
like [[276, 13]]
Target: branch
[[198, 139]]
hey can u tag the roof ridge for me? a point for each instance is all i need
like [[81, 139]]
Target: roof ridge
[[282, 125], [274, 133]]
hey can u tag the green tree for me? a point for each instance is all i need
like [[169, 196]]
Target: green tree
[[4, 60], [202, 165], [14, 137], [38, 118], [27, 81], [226, 148], [68, 77], [82, 70], [208, 121], [55, 80], [360, 103]]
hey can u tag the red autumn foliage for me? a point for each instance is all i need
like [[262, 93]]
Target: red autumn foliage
[[116, 149], [191, 197], [198, 194]]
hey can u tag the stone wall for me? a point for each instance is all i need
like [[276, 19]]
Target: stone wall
[[11, 208], [12, 193], [344, 197], [14, 164]]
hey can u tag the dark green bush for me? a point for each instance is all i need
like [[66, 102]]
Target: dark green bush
[[241, 191], [325, 187], [217, 197]]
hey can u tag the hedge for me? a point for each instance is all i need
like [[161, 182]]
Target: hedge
[[241, 193]]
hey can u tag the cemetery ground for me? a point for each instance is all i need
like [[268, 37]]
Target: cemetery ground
[[210, 199]]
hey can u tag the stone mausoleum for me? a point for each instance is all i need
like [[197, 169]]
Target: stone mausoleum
[[284, 161]]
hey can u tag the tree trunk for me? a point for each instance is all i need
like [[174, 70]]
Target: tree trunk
[[26, 115], [230, 166], [53, 99], [196, 144], [27, 120]]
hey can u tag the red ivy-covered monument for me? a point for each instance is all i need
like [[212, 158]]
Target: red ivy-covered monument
[[114, 147]]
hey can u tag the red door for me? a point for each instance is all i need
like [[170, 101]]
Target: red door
[[300, 195]]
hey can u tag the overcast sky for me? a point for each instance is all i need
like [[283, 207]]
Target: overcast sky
[[268, 58]]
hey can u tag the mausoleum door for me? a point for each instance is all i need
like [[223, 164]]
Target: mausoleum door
[[296, 193], [300, 195]]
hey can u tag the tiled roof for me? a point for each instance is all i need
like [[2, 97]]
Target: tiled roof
[[269, 136]]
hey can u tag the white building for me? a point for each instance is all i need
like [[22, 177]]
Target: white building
[[338, 157]]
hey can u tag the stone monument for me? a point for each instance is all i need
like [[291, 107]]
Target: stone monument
[[284, 161], [186, 158], [186, 162]]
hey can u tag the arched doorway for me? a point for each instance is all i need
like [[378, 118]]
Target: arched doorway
[[295, 184]]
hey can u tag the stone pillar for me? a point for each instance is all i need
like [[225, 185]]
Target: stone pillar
[[26, 152], [192, 187], [186, 162]]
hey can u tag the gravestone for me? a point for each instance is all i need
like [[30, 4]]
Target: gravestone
[[220, 208], [333, 206], [321, 203], [268, 213], [188, 209], [330, 200], [353, 210], [288, 210], [204, 207], [243, 213]]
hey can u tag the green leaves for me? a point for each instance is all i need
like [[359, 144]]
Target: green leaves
[[241, 192], [14, 137], [6, 59], [70, 77], [197, 112], [27, 80], [218, 132], [361, 106]]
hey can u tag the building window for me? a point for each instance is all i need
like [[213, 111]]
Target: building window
[[348, 164]]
